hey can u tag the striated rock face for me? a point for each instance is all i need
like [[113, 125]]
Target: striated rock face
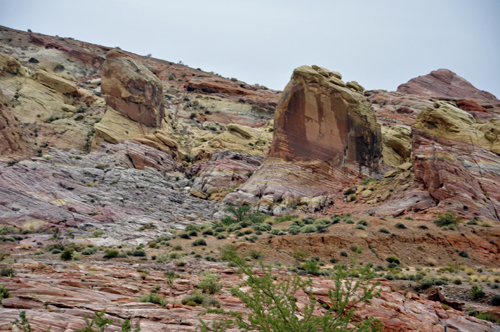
[[396, 144], [132, 89], [443, 82], [459, 176], [447, 121], [325, 135], [12, 140], [225, 171]]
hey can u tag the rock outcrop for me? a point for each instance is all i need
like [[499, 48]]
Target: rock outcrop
[[459, 176], [222, 174], [132, 89], [443, 82], [325, 135]]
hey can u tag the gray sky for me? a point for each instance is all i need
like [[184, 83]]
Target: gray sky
[[380, 44]]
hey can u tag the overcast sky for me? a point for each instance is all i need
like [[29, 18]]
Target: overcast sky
[[380, 44]]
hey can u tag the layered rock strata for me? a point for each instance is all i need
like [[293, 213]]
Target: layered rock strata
[[132, 89], [444, 82], [325, 136]]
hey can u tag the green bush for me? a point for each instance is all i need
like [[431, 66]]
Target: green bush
[[273, 306], [446, 218], [400, 225], [312, 267], [308, 229], [209, 283], [208, 232], [276, 231], [154, 298], [366, 181], [4, 293], [66, 255], [110, 253], [477, 292], [139, 253], [199, 242], [384, 229], [495, 300], [89, 251], [293, 229], [392, 259]]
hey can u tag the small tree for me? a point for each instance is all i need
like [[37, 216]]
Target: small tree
[[273, 303]]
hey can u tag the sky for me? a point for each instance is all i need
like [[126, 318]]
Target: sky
[[380, 44]]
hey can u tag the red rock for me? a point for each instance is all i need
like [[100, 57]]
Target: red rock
[[132, 89], [443, 82], [324, 135], [458, 175]]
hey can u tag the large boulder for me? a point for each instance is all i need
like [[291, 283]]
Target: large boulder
[[325, 136], [443, 82], [396, 144], [132, 89]]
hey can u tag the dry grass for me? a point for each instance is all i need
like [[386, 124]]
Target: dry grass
[[469, 271], [474, 278], [431, 261]]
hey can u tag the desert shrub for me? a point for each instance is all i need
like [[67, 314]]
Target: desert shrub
[[312, 267], [471, 222], [495, 300], [273, 306], [55, 251], [153, 298], [110, 253], [400, 225], [209, 283], [366, 181], [487, 316], [446, 218], [349, 191], [349, 221], [308, 229], [174, 255], [199, 242], [139, 253], [360, 227], [354, 247], [457, 281], [4, 293], [58, 246], [234, 227], [66, 255], [463, 254], [333, 260], [276, 231], [431, 261], [208, 232], [392, 259], [89, 251], [7, 272], [255, 254], [363, 222], [343, 253], [308, 220], [76, 256], [184, 236], [221, 236], [294, 229], [384, 229], [239, 212], [477, 292], [264, 227]]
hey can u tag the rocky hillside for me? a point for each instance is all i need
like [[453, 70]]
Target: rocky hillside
[[104, 151]]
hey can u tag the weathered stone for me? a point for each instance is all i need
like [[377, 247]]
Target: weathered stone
[[57, 83], [443, 82], [458, 175], [132, 89], [324, 134], [396, 144], [355, 85]]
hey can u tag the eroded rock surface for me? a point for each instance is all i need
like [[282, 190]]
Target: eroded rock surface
[[325, 134], [132, 89], [443, 82]]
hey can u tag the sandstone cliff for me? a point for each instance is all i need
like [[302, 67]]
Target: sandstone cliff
[[325, 136]]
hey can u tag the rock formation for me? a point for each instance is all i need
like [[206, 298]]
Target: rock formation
[[222, 174], [325, 135], [444, 82], [132, 89]]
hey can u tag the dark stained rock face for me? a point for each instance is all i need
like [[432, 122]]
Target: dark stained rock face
[[443, 82], [132, 89], [459, 176], [325, 136]]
